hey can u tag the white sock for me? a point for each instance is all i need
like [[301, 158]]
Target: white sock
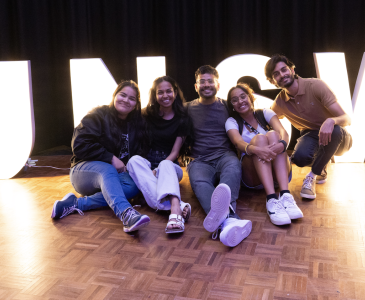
[[311, 174]]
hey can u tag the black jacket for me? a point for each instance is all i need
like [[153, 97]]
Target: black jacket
[[93, 139]]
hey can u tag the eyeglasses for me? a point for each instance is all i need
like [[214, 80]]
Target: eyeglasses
[[235, 100], [204, 81]]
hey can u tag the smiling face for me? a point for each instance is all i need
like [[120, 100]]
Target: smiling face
[[282, 76], [125, 101], [240, 101], [165, 94], [206, 85]]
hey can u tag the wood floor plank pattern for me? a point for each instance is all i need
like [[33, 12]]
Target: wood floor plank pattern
[[320, 257]]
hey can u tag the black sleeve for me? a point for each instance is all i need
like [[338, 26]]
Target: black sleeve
[[86, 140], [183, 129]]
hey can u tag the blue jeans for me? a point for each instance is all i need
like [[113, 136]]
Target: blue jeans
[[308, 151], [206, 175], [102, 185]]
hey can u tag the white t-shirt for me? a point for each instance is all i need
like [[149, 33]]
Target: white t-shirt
[[246, 134]]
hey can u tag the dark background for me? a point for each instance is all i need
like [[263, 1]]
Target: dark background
[[189, 33]]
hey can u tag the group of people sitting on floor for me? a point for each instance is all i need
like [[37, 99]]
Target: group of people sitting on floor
[[120, 150]]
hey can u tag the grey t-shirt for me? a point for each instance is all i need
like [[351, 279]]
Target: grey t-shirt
[[210, 138]]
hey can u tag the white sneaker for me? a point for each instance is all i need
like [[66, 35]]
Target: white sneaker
[[219, 207], [233, 231], [277, 213], [291, 207]]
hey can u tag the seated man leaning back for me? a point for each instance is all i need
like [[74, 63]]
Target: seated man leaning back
[[215, 170], [311, 107]]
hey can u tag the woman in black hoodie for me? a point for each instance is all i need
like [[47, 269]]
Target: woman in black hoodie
[[102, 144]]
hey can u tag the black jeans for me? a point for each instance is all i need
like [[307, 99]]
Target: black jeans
[[308, 151]]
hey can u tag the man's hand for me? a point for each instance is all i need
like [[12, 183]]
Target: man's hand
[[118, 164], [325, 132]]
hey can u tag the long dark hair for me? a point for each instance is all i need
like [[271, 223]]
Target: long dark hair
[[247, 90], [134, 118], [153, 108]]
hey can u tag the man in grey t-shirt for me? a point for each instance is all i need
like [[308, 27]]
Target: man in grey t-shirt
[[215, 164]]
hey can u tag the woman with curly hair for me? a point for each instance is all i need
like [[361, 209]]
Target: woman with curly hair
[[262, 141]]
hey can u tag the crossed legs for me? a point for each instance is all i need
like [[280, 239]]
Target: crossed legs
[[161, 191]]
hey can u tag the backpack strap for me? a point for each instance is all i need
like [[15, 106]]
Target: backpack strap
[[259, 116]]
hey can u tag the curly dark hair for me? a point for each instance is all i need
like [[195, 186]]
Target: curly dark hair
[[153, 108]]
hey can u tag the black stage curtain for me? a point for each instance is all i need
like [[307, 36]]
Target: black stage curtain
[[190, 33]]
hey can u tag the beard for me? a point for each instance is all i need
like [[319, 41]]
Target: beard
[[288, 83], [207, 92]]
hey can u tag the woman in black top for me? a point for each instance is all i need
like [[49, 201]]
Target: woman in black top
[[168, 126], [102, 145]]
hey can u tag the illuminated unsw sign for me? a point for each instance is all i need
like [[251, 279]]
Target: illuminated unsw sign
[[16, 116], [90, 77]]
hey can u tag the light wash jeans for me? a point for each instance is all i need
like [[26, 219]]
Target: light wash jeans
[[102, 185], [206, 175], [155, 189]]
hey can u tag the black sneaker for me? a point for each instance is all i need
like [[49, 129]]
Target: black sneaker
[[133, 220], [66, 206]]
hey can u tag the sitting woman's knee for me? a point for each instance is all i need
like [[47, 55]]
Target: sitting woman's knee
[[272, 135], [165, 163], [259, 140], [137, 160]]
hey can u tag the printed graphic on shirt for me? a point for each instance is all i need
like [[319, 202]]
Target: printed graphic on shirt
[[124, 150]]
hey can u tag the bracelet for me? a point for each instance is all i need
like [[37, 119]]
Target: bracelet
[[246, 150], [285, 145]]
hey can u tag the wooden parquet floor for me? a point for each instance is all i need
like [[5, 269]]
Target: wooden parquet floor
[[319, 257]]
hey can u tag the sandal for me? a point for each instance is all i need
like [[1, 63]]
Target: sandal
[[179, 220], [188, 213]]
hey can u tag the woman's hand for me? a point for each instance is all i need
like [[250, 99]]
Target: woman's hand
[[277, 147], [118, 164], [263, 153]]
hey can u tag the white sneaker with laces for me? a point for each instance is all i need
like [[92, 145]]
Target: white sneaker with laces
[[277, 212], [233, 231], [219, 207], [291, 207]]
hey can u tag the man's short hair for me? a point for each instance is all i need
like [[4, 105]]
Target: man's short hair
[[206, 70], [271, 64]]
